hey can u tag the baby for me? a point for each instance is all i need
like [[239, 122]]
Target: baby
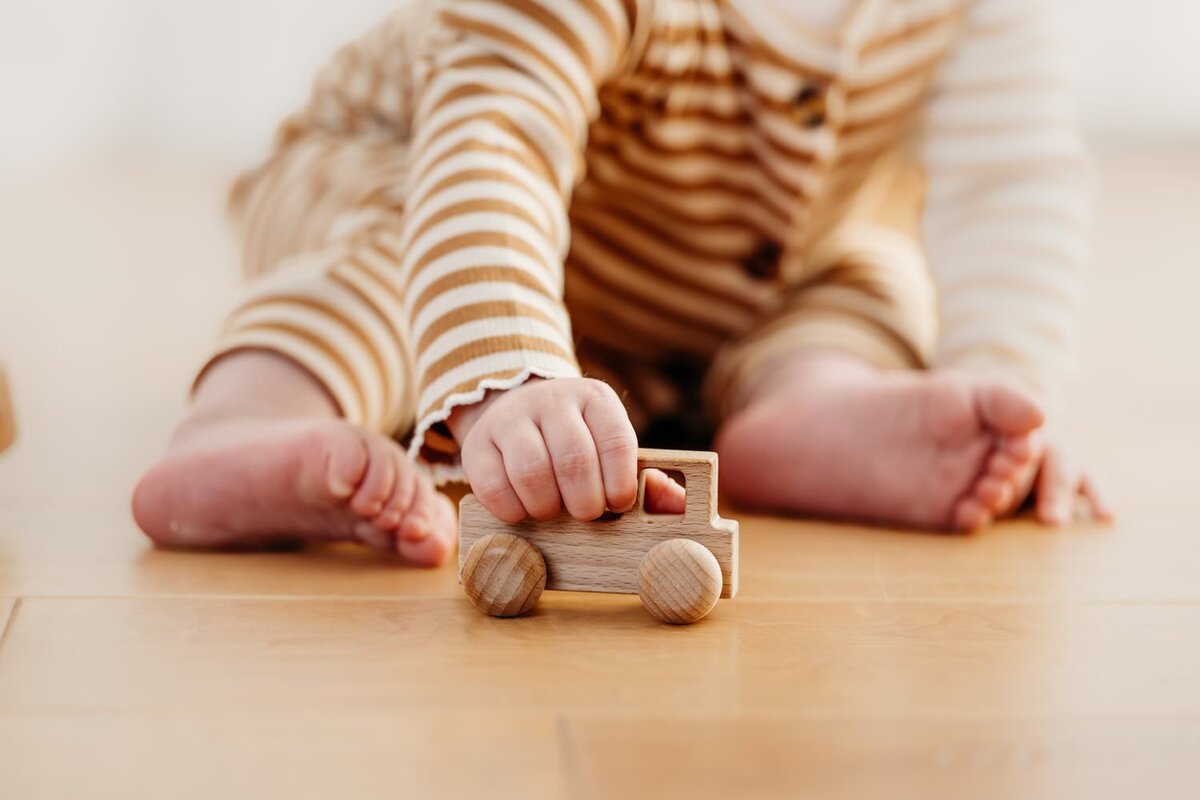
[[841, 241]]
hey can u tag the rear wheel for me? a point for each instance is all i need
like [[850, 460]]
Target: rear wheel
[[504, 575]]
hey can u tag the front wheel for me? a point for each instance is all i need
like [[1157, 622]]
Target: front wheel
[[679, 581]]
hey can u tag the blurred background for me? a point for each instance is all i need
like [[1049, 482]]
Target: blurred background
[[125, 120], [96, 78]]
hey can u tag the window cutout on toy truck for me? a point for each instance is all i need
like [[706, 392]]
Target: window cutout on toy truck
[[660, 501]]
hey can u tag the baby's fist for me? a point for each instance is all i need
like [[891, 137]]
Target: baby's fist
[[550, 444]]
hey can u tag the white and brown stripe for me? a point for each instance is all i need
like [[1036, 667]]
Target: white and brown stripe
[[472, 179]]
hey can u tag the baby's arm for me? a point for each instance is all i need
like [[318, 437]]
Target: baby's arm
[[509, 91], [1006, 214]]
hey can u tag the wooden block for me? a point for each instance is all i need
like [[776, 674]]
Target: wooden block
[[8, 420], [606, 555]]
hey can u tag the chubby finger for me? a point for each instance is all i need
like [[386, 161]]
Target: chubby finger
[[576, 464], [616, 446], [530, 470], [1100, 507], [484, 467], [663, 494], [1057, 485]]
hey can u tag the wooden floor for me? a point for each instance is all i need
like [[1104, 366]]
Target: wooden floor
[[1020, 663]]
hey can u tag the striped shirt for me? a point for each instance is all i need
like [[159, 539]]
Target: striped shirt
[[668, 170]]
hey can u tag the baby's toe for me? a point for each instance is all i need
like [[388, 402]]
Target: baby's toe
[[435, 547], [971, 515], [380, 480], [1007, 411], [1021, 449], [1015, 462], [346, 459], [1003, 466], [994, 494], [401, 499], [374, 537], [417, 524]]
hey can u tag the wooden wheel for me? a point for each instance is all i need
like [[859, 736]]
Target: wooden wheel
[[679, 581], [504, 575]]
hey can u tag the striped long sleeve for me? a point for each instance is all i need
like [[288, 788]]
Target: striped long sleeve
[[500, 125], [411, 232], [310, 219], [1008, 199]]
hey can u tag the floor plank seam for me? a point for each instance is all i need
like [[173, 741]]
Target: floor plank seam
[[578, 787], [928, 600]]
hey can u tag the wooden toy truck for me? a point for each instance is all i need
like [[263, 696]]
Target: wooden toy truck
[[679, 564]]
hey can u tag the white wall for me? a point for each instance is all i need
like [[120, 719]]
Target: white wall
[[206, 79], [1137, 65], [210, 79]]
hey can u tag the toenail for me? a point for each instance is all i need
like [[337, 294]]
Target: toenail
[[418, 530], [370, 535], [340, 488]]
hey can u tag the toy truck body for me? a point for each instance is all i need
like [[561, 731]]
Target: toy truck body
[[607, 554]]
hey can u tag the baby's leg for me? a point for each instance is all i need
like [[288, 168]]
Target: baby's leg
[[826, 411], [289, 433]]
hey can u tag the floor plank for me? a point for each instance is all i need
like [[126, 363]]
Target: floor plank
[[1150, 554], [85, 553], [250, 697], [915, 659], [774, 757], [304, 751]]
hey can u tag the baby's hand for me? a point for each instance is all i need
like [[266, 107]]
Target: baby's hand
[[1060, 482], [1057, 484], [547, 444]]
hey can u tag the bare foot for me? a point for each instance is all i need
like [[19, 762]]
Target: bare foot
[[265, 469], [832, 436], [252, 481]]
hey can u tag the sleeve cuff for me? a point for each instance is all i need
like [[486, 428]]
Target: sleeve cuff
[[432, 446]]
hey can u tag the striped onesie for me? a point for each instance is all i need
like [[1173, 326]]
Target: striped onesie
[[670, 195]]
